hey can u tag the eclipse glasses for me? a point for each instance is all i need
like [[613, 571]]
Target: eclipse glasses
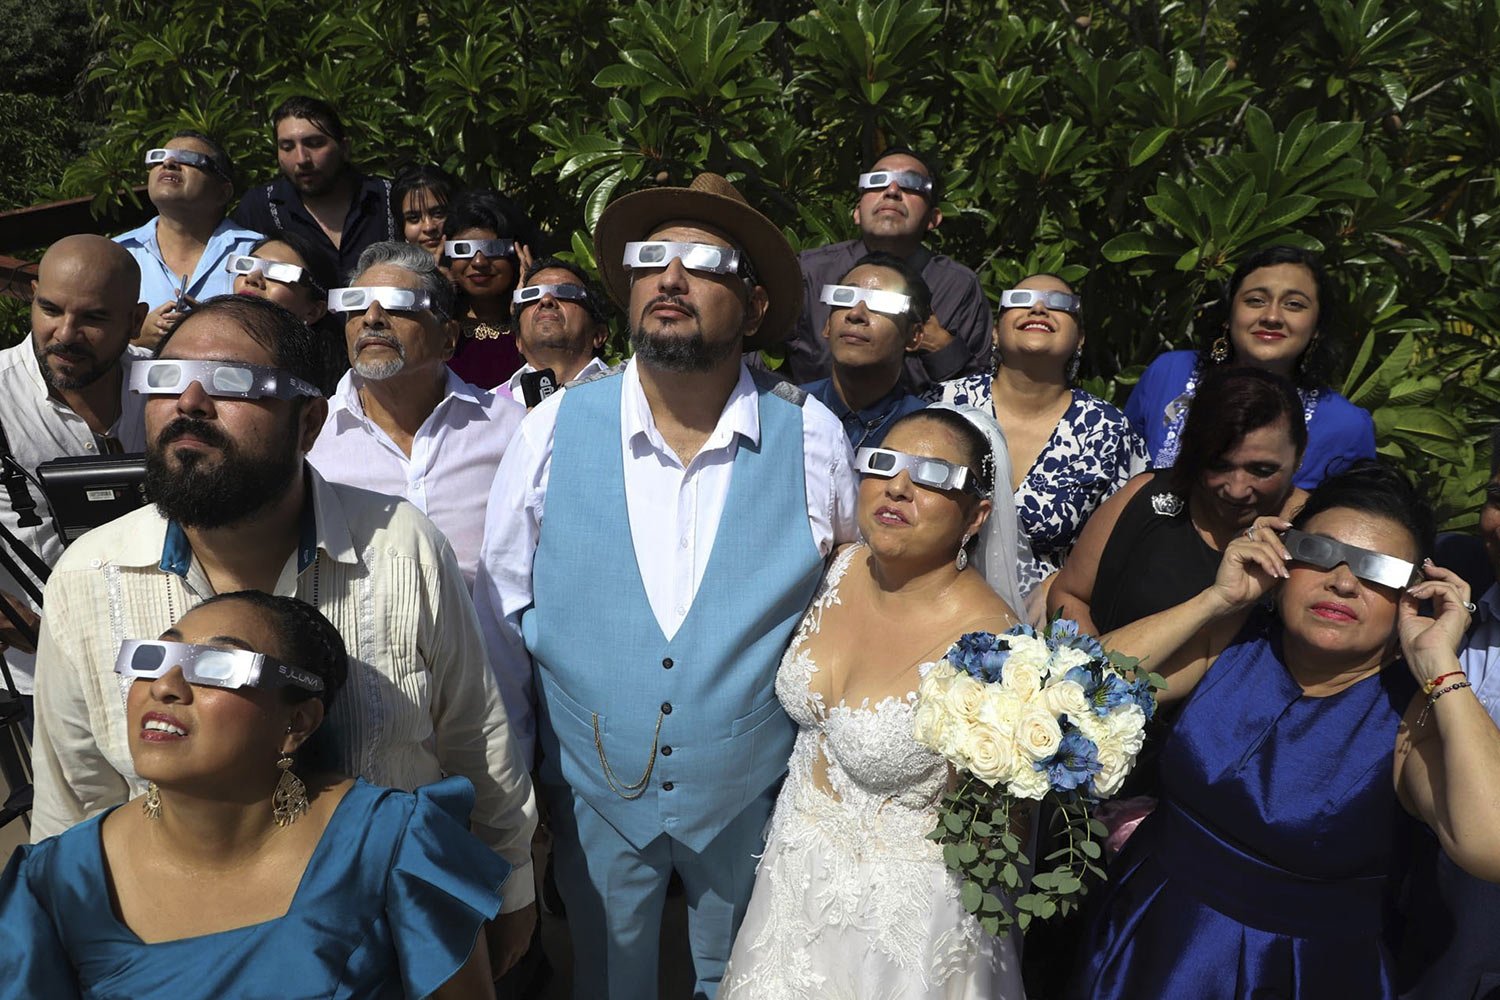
[[355, 300], [933, 473], [1326, 553], [464, 249], [694, 256], [274, 270], [534, 293], [906, 180], [226, 379], [1025, 298], [148, 659], [876, 300], [187, 157]]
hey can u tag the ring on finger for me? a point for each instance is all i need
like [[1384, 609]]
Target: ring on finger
[[1250, 533], [1469, 607]]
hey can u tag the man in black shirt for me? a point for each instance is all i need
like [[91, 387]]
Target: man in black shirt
[[896, 209], [319, 193]]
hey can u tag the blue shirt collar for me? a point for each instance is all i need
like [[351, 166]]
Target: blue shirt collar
[[177, 552]]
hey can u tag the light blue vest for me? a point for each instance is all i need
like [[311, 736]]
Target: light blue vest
[[611, 686]]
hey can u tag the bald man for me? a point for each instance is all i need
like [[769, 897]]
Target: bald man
[[62, 390]]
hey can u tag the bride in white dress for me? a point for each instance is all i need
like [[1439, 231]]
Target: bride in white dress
[[851, 900]]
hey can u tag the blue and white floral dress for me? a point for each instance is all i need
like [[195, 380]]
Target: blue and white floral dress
[[1092, 452]]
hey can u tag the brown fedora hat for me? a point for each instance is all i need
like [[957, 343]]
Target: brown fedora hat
[[714, 202]]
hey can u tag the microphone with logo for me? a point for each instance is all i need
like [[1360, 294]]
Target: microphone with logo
[[537, 386]]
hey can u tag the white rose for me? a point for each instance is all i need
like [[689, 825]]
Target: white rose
[[988, 754], [965, 697], [1002, 709], [1113, 767], [1038, 735], [929, 725], [1063, 697], [1022, 678], [1025, 649], [1028, 783]]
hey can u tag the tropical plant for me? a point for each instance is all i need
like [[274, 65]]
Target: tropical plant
[[1139, 147]]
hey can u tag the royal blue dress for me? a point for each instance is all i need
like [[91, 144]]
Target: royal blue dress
[[393, 899], [1265, 871], [1338, 432]]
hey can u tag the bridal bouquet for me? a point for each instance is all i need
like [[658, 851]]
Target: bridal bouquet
[[1030, 717]]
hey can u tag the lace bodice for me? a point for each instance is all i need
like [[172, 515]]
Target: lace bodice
[[884, 785]]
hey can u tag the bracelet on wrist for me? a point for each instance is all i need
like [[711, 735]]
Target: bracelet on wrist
[[1432, 699], [1437, 681]]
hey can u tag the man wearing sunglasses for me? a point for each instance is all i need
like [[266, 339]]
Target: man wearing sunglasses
[[402, 422], [62, 394], [897, 206], [654, 535], [231, 410], [1451, 948], [561, 324], [182, 251], [875, 320]]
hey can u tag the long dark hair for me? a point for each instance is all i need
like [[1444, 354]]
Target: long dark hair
[[1323, 359]]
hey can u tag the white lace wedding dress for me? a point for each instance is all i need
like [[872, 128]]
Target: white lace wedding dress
[[851, 901]]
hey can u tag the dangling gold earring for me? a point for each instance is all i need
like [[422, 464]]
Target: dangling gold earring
[[290, 798], [151, 804], [1219, 353]]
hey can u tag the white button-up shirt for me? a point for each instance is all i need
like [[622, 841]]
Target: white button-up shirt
[[420, 702], [454, 455], [39, 428], [159, 284], [673, 509], [513, 385]]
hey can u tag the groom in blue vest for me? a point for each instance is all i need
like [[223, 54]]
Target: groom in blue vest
[[655, 533]]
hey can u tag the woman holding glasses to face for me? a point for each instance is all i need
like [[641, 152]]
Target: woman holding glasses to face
[[1316, 732], [485, 250], [1070, 450], [247, 868]]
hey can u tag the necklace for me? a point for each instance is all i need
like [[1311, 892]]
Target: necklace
[[483, 331], [1176, 412]]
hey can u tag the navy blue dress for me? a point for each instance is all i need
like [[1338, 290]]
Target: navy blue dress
[[1265, 870], [391, 904]]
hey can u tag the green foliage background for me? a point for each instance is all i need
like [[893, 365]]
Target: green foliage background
[[1139, 146]]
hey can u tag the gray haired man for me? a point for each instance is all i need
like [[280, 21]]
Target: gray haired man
[[401, 422]]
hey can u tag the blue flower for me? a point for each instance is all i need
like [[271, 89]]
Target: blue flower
[[1104, 691], [1142, 694], [1074, 764], [1062, 629], [981, 655]]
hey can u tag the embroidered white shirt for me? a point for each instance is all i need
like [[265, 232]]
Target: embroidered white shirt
[[673, 509], [454, 455], [40, 427], [419, 703]]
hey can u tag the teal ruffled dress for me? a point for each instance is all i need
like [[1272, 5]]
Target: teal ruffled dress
[[393, 899]]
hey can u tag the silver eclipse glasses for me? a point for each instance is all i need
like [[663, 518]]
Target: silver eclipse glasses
[[1025, 298], [148, 659], [225, 379], [875, 299], [1326, 553], [357, 300], [187, 157], [534, 293], [694, 256], [933, 473], [274, 270], [464, 249], [906, 180]]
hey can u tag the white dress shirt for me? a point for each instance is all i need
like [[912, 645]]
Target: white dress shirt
[[454, 455], [673, 510], [420, 702], [39, 428], [513, 385]]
